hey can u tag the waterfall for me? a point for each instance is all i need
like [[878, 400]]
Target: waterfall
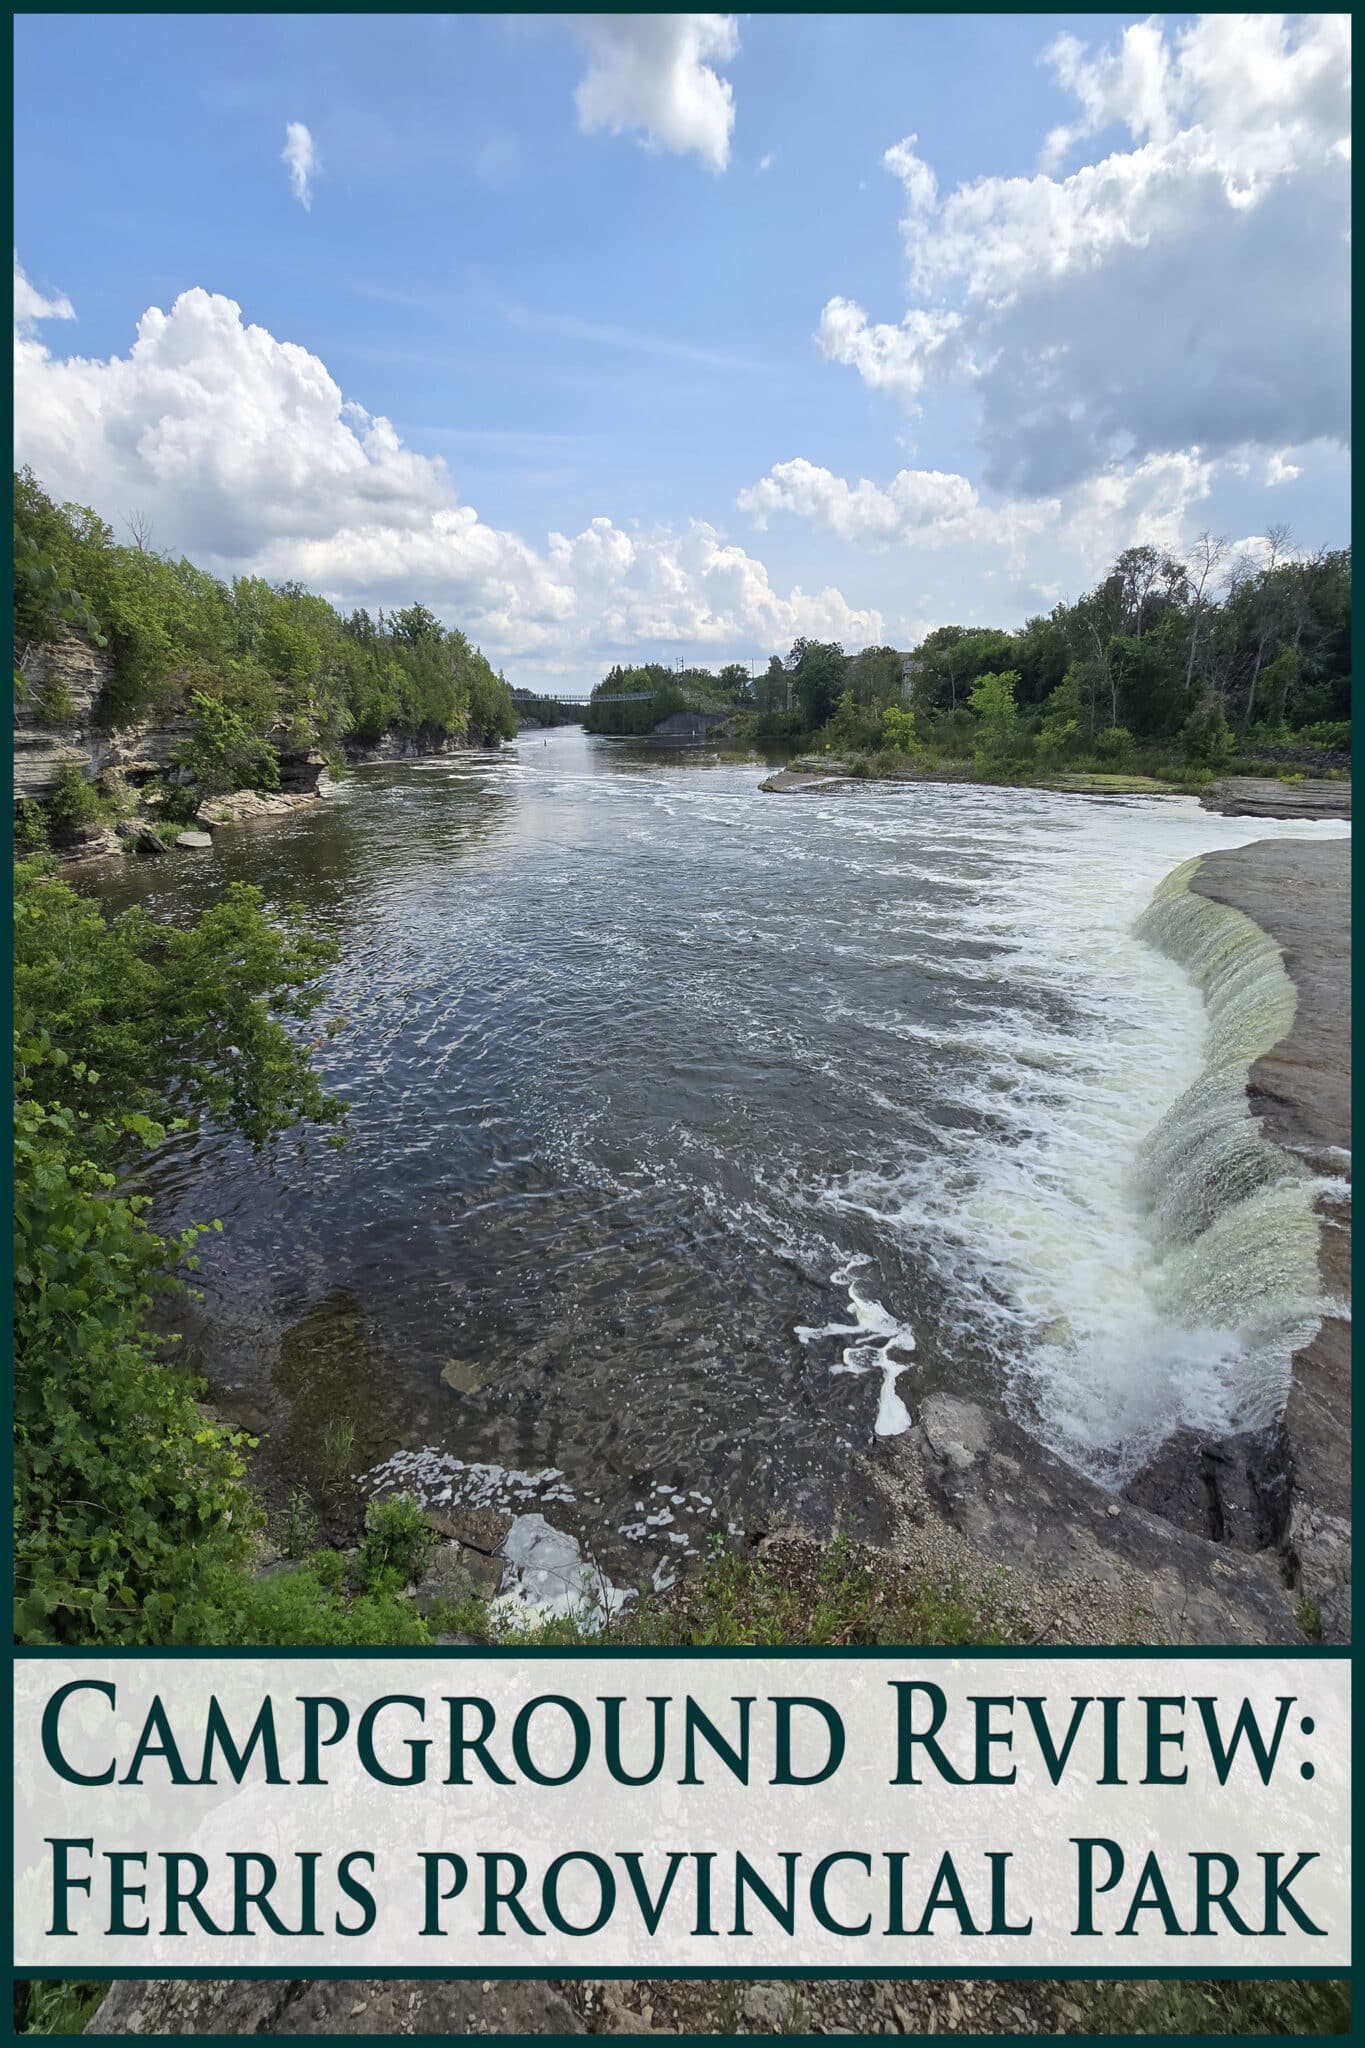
[[1230, 1213]]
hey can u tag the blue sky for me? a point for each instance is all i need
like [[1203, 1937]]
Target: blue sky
[[845, 325]]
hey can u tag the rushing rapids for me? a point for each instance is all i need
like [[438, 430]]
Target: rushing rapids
[[1231, 1213], [698, 1135]]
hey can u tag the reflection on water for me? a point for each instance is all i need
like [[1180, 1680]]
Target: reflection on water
[[697, 1132]]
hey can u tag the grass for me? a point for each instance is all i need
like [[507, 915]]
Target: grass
[[1296, 2005], [794, 1592], [338, 1448], [63, 2007]]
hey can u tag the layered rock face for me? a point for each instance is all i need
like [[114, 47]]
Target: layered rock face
[[72, 673]]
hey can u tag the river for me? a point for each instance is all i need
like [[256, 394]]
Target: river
[[696, 1133]]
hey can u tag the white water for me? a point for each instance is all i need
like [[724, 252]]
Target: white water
[[1045, 1216]]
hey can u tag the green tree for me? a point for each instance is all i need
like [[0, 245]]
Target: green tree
[[1206, 737], [997, 717], [222, 752], [1060, 732], [898, 729]]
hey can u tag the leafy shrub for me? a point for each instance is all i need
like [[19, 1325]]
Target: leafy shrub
[[1206, 737], [52, 701], [176, 803], [898, 729], [997, 717], [1114, 745], [397, 1542], [120, 1018], [304, 1606], [30, 828], [75, 801], [301, 1525], [1334, 733], [127, 1502], [222, 752]]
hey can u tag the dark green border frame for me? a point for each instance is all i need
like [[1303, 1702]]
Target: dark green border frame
[[587, 1652]]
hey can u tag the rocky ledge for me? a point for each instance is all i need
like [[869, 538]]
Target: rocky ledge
[[1300, 893], [1254, 796]]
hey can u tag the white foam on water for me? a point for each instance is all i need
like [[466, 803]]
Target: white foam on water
[[1031, 1207], [876, 1336], [547, 1578]]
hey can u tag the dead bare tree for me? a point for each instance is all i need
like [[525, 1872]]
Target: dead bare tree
[[1203, 558]]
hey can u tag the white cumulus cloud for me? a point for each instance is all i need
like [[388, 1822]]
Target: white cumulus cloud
[[932, 510], [1189, 287], [888, 358], [30, 306], [656, 73], [300, 158], [246, 456]]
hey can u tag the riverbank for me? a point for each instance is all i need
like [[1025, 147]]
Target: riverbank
[[1232, 797]]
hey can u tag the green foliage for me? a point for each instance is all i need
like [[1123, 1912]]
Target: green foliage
[[1276, 686], [898, 729], [1294, 2005], [300, 1526], [397, 1542], [272, 656], [338, 1448], [126, 1500], [1114, 745], [997, 717], [1059, 734], [75, 801], [309, 1606], [796, 1592], [1206, 738], [132, 1521], [44, 597], [222, 753], [653, 694], [52, 701], [175, 803], [62, 2007], [1333, 733], [131, 1018], [30, 828]]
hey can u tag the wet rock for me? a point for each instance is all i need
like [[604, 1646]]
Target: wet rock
[[194, 841], [449, 1576], [1252, 796], [1299, 892], [141, 837], [547, 1574], [794, 782], [463, 1377], [1017, 1503], [90, 842], [1232, 1489], [482, 1529]]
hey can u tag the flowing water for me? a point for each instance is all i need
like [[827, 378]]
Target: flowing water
[[698, 1133]]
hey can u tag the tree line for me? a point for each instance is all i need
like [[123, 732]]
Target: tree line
[[1202, 657], [279, 659]]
